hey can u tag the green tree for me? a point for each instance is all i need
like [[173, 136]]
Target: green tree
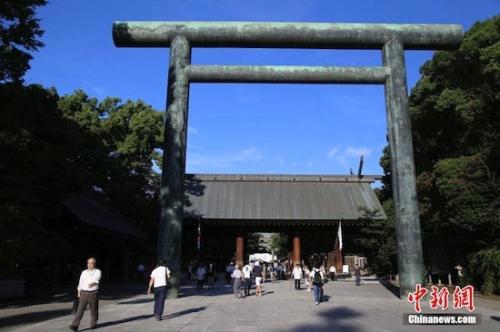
[[52, 147], [117, 148], [482, 269], [279, 244], [19, 37], [456, 130], [35, 173], [378, 240], [255, 243]]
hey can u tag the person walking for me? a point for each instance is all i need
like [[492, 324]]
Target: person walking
[[88, 285], [297, 276], [247, 278], [229, 272], [271, 272], [317, 281], [200, 276], [357, 274], [211, 275], [307, 277], [237, 275], [257, 271], [141, 269], [158, 282], [333, 272], [279, 271]]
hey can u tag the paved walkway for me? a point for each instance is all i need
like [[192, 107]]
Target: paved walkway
[[370, 307]]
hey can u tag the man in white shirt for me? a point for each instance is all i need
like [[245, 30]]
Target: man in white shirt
[[297, 276], [158, 281], [247, 278], [236, 275], [333, 272], [88, 286]]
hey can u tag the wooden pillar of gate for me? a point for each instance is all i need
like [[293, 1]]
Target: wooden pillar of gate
[[240, 249]]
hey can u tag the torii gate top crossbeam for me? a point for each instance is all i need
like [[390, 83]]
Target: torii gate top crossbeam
[[287, 34]]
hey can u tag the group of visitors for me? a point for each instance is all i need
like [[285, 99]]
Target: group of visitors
[[242, 280], [205, 274]]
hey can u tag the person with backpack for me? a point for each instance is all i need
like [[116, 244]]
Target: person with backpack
[[317, 278]]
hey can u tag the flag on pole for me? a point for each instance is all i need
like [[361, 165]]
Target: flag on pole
[[198, 239], [339, 235]]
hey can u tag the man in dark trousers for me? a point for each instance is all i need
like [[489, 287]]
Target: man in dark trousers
[[158, 281], [357, 274], [88, 286]]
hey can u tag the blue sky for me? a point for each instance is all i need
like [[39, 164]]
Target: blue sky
[[244, 128]]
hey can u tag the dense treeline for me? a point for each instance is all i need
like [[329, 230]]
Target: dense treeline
[[455, 113], [53, 146]]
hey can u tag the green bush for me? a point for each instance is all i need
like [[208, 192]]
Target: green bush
[[483, 270]]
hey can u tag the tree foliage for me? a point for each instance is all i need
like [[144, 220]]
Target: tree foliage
[[116, 149], [456, 129], [482, 269], [53, 146], [19, 37], [279, 244], [34, 171], [377, 239]]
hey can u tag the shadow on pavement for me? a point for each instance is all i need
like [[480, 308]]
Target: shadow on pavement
[[32, 317], [143, 317], [121, 321], [497, 318], [189, 289], [218, 290], [390, 287], [184, 312], [67, 294], [137, 301], [335, 319]]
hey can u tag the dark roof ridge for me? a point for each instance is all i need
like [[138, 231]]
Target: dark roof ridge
[[283, 177]]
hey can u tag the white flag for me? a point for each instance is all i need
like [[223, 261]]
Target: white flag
[[339, 235]]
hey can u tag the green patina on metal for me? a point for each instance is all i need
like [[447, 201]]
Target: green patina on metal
[[287, 74], [409, 239], [174, 161], [287, 34], [392, 39]]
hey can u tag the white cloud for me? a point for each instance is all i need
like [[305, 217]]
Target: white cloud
[[193, 130], [249, 154], [199, 161], [280, 160], [333, 152], [98, 90], [342, 160], [356, 152], [348, 156]]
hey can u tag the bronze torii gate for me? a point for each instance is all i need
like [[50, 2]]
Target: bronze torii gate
[[392, 39]]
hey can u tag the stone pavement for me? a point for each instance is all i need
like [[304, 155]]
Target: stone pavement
[[370, 307]]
